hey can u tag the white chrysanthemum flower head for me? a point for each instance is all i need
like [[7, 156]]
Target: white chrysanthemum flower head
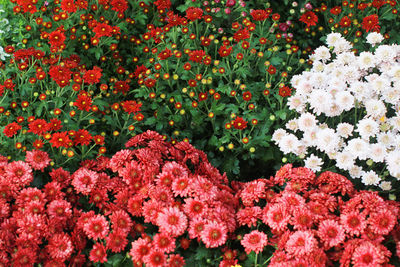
[[385, 185], [375, 108], [310, 137], [374, 38], [378, 152], [393, 163], [307, 121], [367, 128], [355, 171], [346, 58], [345, 129], [289, 144], [278, 135], [345, 100], [322, 53], [320, 101], [327, 140], [333, 38], [386, 139], [358, 147], [385, 53], [345, 160], [366, 60], [313, 162], [297, 102], [292, 125], [370, 178]]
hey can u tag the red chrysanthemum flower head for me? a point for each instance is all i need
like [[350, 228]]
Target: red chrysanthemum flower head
[[239, 123], [172, 221], [371, 23], [214, 234], [84, 180], [254, 241], [37, 159], [309, 18], [194, 13]]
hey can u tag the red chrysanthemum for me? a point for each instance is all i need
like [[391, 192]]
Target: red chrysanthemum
[[120, 220], [301, 243], [309, 18], [241, 34], [277, 217], [164, 242], [254, 241], [39, 127], [121, 86], [175, 260], [82, 137], [353, 222], [197, 56], [140, 249], [68, 6], [102, 29], [259, 14], [194, 13], [60, 140], [55, 124], [119, 6], [382, 221], [371, 23], [214, 234], [56, 38], [11, 129], [131, 106], [117, 241], [92, 76], [367, 254], [239, 123], [83, 102], [37, 159], [249, 216], [19, 173], [224, 51]]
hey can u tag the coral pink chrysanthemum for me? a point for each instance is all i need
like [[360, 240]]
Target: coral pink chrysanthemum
[[98, 253], [277, 217], [96, 227], [214, 234], [19, 173], [331, 233], [164, 242], [301, 243], [37, 159], [254, 241], [84, 180], [249, 216], [382, 222], [353, 222], [155, 258], [117, 241], [60, 246], [172, 221], [367, 254]]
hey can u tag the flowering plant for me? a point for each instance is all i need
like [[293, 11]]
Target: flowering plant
[[154, 201], [348, 112], [315, 221]]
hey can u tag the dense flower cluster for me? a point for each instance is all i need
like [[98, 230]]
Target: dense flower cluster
[[174, 188], [316, 221], [348, 110]]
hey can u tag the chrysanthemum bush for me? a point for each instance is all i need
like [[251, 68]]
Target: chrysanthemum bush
[[218, 80], [161, 204], [297, 218], [348, 112]]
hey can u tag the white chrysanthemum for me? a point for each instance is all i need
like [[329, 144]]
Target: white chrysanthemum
[[395, 123], [294, 81], [391, 94], [345, 129], [289, 144], [320, 101], [345, 100], [306, 121], [385, 185], [327, 140], [313, 162], [375, 108], [374, 38], [304, 87], [358, 147], [385, 53], [333, 38], [366, 60], [344, 160], [278, 135], [351, 74], [318, 80], [322, 53], [355, 171], [346, 58], [393, 163], [296, 102], [378, 152], [387, 139], [379, 84], [310, 137], [367, 128], [360, 90], [342, 46], [318, 66], [292, 125], [370, 178], [395, 72]]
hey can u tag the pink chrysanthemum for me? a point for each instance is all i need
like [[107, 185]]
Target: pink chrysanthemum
[[194, 208], [301, 243], [164, 242], [331, 233], [98, 253], [249, 216], [131, 173], [252, 192], [117, 241], [19, 173], [181, 186], [176, 169], [302, 218], [172, 221], [84, 180], [135, 205], [382, 222], [121, 220], [120, 159], [96, 227], [277, 217], [254, 241], [175, 261], [214, 234], [151, 209], [367, 254], [60, 247], [155, 258], [353, 222], [196, 227], [60, 209], [37, 159], [140, 248]]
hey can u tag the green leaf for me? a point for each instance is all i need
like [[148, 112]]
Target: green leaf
[[201, 253]]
